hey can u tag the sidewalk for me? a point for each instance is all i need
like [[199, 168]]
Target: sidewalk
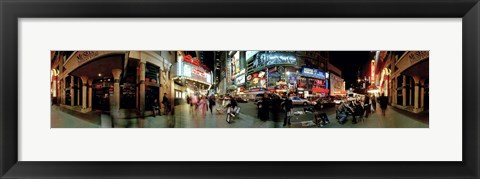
[[185, 117], [394, 118]]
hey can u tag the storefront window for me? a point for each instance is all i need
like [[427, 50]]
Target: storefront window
[[101, 94], [151, 93], [128, 90]]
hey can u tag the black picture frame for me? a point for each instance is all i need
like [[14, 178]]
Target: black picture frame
[[11, 10]]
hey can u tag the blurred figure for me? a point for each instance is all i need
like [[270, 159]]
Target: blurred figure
[[166, 104], [351, 110], [265, 107], [211, 103], [366, 105], [202, 106], [374, 103], [155, 107], [288, 111], [276, 102], [193, 102], [383, 103], [342, 113]]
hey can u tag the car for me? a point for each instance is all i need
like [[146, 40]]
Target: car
[[324, 102], [299, 101]]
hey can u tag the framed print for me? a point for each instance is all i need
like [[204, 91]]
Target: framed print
[[93, 109]]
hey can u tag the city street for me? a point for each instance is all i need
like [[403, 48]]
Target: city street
[[186, 118], [131, 84]]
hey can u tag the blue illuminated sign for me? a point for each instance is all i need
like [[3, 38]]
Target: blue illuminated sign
[[310, 72]]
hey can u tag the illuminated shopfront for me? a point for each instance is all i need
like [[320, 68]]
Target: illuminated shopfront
[[190, 77]]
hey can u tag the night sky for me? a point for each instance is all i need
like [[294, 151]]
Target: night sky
[[349, 62], [208, 59]]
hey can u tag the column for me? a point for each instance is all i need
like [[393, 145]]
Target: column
[[72, 92], [404, 90], [411, 93], [62, 91], [64, 99], [142, 88], [84, 91], [90, 93], [116, 92], [161, 85], [394, 91], [416, 80], [78, 93], [422, 93], [171, 95]]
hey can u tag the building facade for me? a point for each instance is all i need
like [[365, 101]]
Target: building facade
[[123, 83], [190, 76], [409, 84]]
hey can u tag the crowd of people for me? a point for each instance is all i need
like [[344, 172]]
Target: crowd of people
[[270, 106], [166, 106], [360, 108]]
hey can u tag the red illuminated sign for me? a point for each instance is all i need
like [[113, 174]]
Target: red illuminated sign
[[189, 59], [198, 72], [372, 67]]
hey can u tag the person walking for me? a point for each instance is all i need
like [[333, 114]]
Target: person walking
[[366, 105], [211, 103], [193, 102], [165, 104], [374, 103], [265, 107], [202, 105], [383, 103], [288, 111]]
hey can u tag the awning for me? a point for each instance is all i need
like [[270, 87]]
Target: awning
[[320, 90]]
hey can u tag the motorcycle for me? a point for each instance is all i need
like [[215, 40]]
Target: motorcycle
[[232, 112]]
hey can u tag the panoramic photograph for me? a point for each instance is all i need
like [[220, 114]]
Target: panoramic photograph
[[239, 89]]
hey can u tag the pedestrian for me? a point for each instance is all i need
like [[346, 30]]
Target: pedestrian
[[193, 102], [366, 106], [165, 103], [374, 103], [211, 103], [342, 113], [202, 105], [351, 109], [188, 100], [383, 103], [288, 111], [276, 102], [265, 108]]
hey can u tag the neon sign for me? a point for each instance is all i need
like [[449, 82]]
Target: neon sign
[[190, 59], [372, 68]]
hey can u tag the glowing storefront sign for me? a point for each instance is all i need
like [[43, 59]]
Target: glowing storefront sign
[[187, 70], [240, 80], [249, 54], [266, 59], [315, 73], [198, 72], [372, 72]]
